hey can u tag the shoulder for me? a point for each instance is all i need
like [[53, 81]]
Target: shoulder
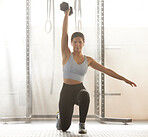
[[89, 60]]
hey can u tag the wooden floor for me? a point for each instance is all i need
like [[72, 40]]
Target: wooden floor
[[94, 129]]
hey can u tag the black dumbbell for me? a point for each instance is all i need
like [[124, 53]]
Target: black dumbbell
[[65, 7]]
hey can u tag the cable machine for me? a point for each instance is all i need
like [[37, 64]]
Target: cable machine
[[99, 78]]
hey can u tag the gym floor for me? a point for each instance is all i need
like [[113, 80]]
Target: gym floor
[[94, 129]]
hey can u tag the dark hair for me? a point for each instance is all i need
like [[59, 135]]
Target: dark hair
[[77, 34]]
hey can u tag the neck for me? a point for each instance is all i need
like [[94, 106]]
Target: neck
[[77, 53]]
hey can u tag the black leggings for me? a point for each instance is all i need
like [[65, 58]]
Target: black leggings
[[70, 95]]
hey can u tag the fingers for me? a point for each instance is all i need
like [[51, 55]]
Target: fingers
[[133, 84], [67, 11]]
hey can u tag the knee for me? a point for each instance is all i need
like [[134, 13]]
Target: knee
[[65, 122], [84, 95], [64, 129], [65, 126]]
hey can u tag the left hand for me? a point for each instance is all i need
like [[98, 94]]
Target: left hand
[[131, 83]]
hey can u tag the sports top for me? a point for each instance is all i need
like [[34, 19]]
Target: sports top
[[74, 71]]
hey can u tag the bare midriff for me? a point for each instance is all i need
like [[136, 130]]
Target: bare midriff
[[71, 82]]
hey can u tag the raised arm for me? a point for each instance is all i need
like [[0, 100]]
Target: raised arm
[[97, 66], [64, 41]]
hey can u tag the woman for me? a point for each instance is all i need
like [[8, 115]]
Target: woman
[[75, 66]]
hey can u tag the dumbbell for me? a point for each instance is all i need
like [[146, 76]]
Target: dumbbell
[[65, 7]]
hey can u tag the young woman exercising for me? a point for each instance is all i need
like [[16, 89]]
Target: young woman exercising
[[75, 66]]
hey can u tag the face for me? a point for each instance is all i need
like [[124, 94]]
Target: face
[[77, 44]]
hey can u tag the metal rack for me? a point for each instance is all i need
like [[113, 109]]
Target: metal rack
[[28, 64], [99, 78]]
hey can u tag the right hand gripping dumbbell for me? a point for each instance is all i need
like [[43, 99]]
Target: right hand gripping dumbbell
[[65, 7]]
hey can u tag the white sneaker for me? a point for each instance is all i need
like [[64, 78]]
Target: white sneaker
[[82, 129]]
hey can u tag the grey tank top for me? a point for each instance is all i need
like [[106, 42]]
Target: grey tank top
[[74, 71]]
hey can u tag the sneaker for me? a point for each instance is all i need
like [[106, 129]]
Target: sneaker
[[82, 129], [58, 121]]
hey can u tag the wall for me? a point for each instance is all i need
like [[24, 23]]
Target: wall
[[12, 58], [126, 31]]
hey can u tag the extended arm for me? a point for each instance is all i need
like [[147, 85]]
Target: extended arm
[[64, 41], [109, 72]]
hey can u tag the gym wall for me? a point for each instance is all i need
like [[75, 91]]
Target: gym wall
[[125, 52], [126, 48], [12, 58]]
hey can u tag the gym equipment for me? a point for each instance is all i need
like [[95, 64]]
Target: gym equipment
[[53, 63], [48, 24], [65, 6], [78, 15], [48, 27], [100, 81]]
